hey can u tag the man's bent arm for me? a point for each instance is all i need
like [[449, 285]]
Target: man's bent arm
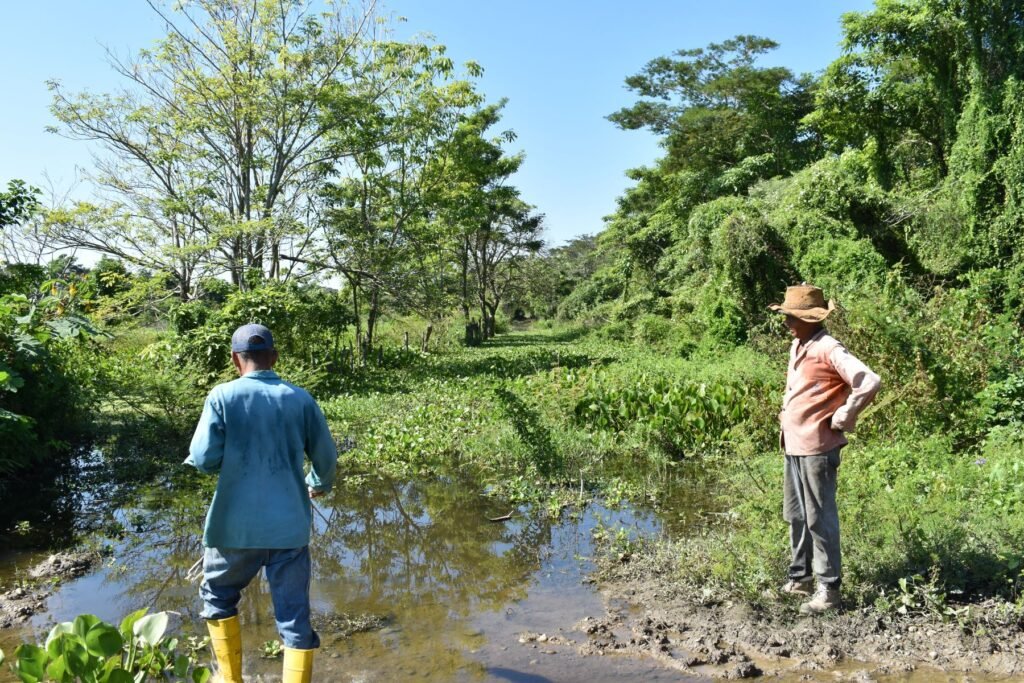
[[206, 451], [321, 451], [864, 384]]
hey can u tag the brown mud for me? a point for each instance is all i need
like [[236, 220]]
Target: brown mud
[[18, 603], [649, 614]]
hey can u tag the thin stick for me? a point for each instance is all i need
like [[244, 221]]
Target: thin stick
[[322, 515], [195, 571]]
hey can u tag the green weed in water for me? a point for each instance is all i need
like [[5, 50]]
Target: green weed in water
[[90, 650]]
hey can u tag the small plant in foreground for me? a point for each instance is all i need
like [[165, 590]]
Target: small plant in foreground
[[92, 651], [271, 649], [918, 595]]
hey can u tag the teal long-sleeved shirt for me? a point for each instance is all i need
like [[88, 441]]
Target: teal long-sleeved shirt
[[256, 432]]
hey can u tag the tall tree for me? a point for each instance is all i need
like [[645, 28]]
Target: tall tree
[[715, 106], [18, 206], [553, 273], [17, 203], [932, 89], [498, 250], [216, 143], [380, 232], [481, 203]]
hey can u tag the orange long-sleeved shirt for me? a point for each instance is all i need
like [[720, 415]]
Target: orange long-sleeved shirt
[[827, 387]]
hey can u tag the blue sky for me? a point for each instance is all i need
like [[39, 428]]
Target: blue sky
[[560, 63]]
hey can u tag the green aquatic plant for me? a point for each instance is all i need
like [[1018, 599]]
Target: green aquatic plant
[[93, 651], [271, 649], [684, 415]]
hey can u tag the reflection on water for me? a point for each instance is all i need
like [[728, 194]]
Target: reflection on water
[[455, 590]]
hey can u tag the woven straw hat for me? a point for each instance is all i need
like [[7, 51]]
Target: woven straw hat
[[805, 302]]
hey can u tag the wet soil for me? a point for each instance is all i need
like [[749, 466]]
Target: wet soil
[[651, 615], [27, 594], [414, 582]]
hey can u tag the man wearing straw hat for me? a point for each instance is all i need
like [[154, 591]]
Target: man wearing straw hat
[[826, 389], [256, 433]]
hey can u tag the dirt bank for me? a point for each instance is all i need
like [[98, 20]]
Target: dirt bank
[[651, 615], [19, 602]]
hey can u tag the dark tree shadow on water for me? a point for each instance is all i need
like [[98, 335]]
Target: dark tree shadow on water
[[531, 431]]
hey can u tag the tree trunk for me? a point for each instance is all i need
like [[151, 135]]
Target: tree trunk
[[483, 320], [491, 316], [371, 317], [353, 284], [474, 336], [465, 278]]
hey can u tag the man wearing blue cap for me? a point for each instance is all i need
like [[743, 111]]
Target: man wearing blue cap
[[256, 432]]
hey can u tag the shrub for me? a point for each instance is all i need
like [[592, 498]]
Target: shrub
[[308, 327], [45, 382], [652, 330]]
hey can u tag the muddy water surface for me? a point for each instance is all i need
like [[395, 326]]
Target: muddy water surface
[[444, 593], [412, 582]]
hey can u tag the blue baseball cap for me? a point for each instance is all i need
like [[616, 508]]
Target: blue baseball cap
[[252, 337]]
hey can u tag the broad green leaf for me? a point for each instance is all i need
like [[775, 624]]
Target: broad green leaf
[[111, 665], [75, 655], [201, 675], [181, 666], [128, 623], [57, 670], [67, 653], [119, 676], [31, 663], [55, 633], [103, 640], [150, 628], [84, 622]]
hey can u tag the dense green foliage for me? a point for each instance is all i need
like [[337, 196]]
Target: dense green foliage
[[892, 180], [892, 185], [45, 381]]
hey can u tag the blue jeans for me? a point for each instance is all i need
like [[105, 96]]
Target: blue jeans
[[226, 571]]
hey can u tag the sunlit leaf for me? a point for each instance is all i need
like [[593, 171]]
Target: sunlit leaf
[[30, 663], [84, 622], [103, 640], [150, 628], [128, 623]]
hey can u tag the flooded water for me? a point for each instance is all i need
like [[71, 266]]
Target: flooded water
[[455, 591], [452, 595]]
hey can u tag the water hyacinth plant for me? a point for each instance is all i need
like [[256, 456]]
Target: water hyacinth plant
[[93, 651]]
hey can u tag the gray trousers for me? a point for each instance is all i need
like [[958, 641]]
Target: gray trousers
[[809, 505]]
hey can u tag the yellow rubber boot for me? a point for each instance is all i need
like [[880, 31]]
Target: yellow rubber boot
[[298, 666], [226, 638]]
